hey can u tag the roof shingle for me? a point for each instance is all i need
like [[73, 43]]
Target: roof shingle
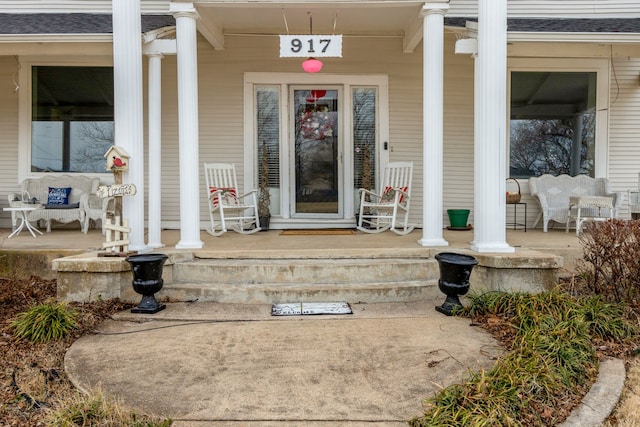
[[71, 23], [562, 25]]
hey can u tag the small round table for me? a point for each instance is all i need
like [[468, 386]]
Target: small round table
[[23, 212], [594, 203]]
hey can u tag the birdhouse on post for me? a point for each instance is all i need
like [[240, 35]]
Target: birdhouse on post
[[117, 159], [117, 232]]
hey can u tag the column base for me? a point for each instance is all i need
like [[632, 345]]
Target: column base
[[190, 244], [433, 242], [492, 247]]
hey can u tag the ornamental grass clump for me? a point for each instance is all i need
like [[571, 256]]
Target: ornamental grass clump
[[551, 360], [45, 322], [95, 409]]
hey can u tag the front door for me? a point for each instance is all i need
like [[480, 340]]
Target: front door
[[316, 170]]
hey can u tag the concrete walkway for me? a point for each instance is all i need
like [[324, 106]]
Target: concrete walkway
[[208, 364]]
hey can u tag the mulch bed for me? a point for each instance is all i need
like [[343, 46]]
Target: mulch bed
[[32, 376]]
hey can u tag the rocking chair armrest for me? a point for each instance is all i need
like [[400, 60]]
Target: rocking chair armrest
[[369, 192], [250, 193], [401, 191]]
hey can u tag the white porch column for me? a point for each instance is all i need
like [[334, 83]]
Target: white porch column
[[490, 100], [188, 132], [155, 143], [127, 87], [433, 116]]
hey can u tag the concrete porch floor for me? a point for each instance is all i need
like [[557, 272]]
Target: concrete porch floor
[[68, 255], [555, 242]]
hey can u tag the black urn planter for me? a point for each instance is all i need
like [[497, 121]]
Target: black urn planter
[[455, 270], [147, 280]]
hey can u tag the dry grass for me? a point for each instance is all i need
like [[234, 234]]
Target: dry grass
[[627, 412], [34, 389]]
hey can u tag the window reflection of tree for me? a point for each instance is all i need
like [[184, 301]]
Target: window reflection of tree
[[545, 146], [364, 132], [93, 139], [268, 131]]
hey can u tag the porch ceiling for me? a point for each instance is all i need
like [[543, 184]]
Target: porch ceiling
[[349, 18]]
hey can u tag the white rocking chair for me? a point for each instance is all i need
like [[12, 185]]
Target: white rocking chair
[[234, 211], [388, 210]]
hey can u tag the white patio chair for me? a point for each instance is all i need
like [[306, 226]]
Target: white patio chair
[[97, 209], [388, 209], [233, 211]]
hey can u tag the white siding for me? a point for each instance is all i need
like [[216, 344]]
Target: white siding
[[8, 134], [221, 89], [75, 6], [458, 132], [221, 133], [555, 8], [624, 134]]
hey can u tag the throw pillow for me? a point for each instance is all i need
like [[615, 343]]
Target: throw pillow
[[227, 195], [389, 194], [58, 196]]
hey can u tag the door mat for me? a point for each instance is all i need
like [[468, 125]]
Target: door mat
[[323, 232], [310, 308]]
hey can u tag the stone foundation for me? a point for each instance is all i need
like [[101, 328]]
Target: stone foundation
[[88, 277]]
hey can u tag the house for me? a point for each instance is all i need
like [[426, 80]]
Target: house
[[472, 91]]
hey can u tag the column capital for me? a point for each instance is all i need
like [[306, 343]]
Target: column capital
[[186, 10], [154, 54], [439, 7]]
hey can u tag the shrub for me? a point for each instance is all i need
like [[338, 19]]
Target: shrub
[[610, 266], [95, 409], [551, 359], [45, 322]]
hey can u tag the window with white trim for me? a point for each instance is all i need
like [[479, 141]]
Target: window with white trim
[[553, 123], [72, 118]]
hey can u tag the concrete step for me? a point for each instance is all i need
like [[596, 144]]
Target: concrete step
[[300, 271], [271, 293], [375, 278]]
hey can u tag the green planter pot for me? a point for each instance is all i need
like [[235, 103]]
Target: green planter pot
[[458, 217]]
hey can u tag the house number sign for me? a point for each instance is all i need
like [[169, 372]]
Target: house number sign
[[310, 45], [116, 190]]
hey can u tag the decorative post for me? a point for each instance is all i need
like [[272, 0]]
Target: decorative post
[[117, 234]]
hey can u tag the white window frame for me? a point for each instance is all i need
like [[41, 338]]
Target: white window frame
[[601, 68], [25, 105], [347, 81]]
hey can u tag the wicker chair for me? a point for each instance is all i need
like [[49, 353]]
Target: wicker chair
[[553, 192], [96, 209], [82, 187]]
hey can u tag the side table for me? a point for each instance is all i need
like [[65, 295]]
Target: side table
[[23, 210], [592, 203], [515, 222]]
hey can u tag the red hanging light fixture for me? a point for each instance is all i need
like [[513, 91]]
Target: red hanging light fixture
[[311, 65]]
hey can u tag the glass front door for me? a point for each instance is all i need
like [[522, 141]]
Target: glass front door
[[316, 167]]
